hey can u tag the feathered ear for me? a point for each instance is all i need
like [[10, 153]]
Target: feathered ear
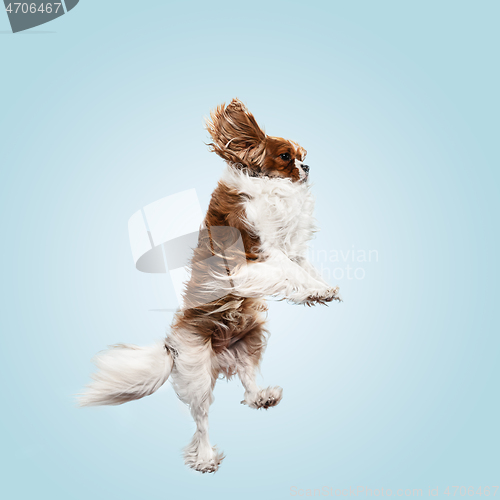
[[236, 135]]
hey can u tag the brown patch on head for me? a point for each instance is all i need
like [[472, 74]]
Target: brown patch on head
[[281, 156], [238, 139]]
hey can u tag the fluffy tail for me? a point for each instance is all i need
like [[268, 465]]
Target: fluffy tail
[[127, 372]]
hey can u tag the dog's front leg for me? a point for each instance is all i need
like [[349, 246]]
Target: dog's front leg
[[314, 273], [281, 277], [309, 268]]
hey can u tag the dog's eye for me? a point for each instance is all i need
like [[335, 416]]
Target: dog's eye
[[285, 157]]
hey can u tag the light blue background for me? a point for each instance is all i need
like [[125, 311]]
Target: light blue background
[[397, 104]]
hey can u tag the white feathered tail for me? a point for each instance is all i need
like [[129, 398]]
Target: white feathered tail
[[127, 372]]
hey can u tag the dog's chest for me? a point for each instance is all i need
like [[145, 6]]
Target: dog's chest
[[281, 216]]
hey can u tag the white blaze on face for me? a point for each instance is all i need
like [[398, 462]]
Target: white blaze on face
[[298, 164]]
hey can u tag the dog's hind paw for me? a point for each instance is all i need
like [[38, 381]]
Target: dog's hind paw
[[202, 463], [265, 398]]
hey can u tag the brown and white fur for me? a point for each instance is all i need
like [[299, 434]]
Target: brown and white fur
[[264, 195]]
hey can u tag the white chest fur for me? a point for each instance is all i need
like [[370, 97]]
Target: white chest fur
[[278, 210]]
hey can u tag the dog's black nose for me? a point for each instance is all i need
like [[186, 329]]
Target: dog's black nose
[[305, 168]]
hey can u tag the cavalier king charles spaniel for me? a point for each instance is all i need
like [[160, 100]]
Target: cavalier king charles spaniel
[[264, 202]]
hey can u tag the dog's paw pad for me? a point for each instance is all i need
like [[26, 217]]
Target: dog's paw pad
[[331, 293], [265, 398], [205, 464]]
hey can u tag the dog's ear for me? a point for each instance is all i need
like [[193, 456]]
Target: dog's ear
[[236, 135]]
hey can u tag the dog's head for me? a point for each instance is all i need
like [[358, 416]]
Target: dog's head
[[239, 140]]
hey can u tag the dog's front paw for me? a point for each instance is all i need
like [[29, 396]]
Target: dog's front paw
[[203, 462], [265, 398], [323, 297]]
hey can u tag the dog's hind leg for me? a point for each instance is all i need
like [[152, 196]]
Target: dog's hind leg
[[255, 397], [194, 379], [247, 364]]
